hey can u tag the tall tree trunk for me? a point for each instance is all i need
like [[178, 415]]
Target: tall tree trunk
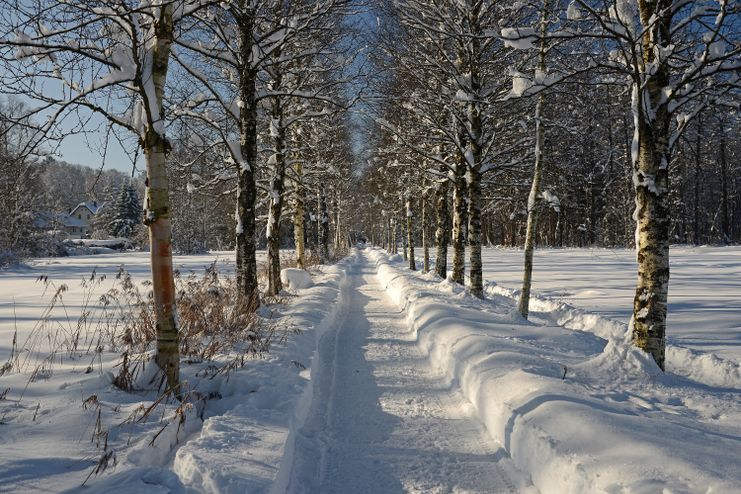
[[277, 185], [652, 239], [459, 223], [474, 234], [323, 227], [299, 233], [532, 200], [337, 223], [651, 183], [246, 191], [312, 232], [722, 161], [388, 235], [410, 235], [403, 231], [158, 210], [696, 202], [425, 233], [532, 214], [442, 229], [476, 128]]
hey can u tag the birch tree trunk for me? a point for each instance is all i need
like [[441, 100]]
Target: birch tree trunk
[[532, 200], [311, 237], [395, 236], [442, 229], [698, 164], [410, 235], [459, 223], [723, 162], [389, 232], [474, 234], [299, 234], [651, 184], [246, 191], [323, 227], [337, 223], [532, 214], [403, 232], [474, 158], [158, 209], [276, 194], [425, 239], [390, 236]]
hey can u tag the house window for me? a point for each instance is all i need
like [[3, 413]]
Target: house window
[[79, 216]]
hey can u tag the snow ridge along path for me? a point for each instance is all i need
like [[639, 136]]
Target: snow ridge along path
[[382, 419]]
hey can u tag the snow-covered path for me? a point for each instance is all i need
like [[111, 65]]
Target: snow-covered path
[[382, 420]]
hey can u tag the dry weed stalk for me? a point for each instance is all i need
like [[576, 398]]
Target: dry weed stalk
[[215, 331]]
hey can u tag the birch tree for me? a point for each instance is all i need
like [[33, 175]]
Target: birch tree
[[676, 57], [242, 66], [535, 190], [453, 39], [110, 59]]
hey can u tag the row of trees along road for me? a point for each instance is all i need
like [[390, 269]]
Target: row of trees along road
[[553, 121], [571, 112], [250, 80]]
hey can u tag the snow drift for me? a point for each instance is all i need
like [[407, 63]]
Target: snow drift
[[579, 413]]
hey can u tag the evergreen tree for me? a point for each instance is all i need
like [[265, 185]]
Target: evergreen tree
[[102, 221], [125, 213]]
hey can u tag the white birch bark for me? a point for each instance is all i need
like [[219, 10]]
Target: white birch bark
[[425, 236], [158, 210], [410, 234], [299, 234], [532, 200], [651, 155], [442, 229], [459, 223]]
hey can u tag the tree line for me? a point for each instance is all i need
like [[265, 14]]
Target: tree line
[[235, 105], [556, 123], [551, 122]]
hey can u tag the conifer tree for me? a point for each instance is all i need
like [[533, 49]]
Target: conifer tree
[[126, 212]]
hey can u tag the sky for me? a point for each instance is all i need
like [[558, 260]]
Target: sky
[[86, 149]]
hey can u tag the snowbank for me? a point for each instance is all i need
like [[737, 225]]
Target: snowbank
[[295, 279], [704, 307], [242, 448], [110, 243], [704, 368], [577, 413]]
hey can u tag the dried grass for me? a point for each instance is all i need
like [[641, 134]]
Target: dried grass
[[215, 330]]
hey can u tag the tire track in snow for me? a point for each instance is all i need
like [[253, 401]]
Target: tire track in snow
[[383, 421]]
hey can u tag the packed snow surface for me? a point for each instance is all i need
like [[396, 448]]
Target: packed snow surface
[[384, 418], [385, 380]]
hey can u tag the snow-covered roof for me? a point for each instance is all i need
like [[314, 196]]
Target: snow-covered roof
[[92, 206]]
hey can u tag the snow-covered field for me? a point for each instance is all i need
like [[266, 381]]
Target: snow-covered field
[[57, 419], [400, 383], [704, 288]]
